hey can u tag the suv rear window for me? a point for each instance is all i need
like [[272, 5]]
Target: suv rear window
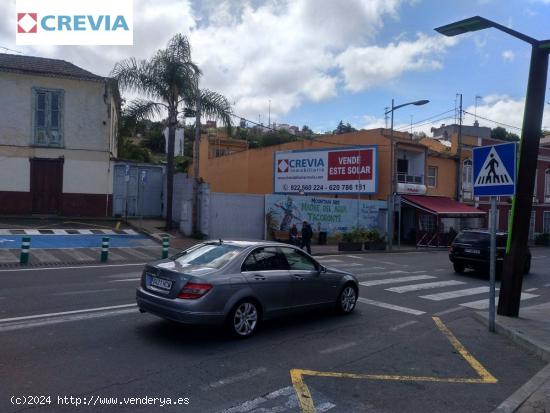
[[481, 239]]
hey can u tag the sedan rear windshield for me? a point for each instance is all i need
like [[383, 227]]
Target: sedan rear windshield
[[481, 239], [208, 255]]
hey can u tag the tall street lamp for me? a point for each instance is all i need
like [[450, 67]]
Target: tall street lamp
[[516, 249], [391, 201]]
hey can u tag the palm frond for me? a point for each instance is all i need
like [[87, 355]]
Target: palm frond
[[140, 109], [139, 76], [216, 105]]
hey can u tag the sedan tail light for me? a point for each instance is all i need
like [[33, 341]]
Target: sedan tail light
[[192, 291]]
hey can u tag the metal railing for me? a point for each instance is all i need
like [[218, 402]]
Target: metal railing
[[410, 179]]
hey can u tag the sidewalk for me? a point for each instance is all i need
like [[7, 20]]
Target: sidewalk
[[531, 331], [155, 229]]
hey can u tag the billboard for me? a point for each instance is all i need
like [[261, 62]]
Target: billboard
[[324, 214], [326, 171]]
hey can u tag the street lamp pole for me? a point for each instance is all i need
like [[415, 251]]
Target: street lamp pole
[[516, 249], [391, 198]]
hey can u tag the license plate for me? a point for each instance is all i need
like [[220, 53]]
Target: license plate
[[161, 283], [472, 251]]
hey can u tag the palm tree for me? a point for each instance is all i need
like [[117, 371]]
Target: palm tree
[[169, 82]]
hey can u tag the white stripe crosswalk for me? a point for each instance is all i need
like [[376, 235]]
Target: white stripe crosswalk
[[424, 286], [484, 304], [395, 280], [456, 294]]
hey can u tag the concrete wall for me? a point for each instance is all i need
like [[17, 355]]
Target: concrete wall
[[446, 176], [236, 216]]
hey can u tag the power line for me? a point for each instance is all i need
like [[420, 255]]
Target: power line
[[404, 128], [494, 121], [10, 50]]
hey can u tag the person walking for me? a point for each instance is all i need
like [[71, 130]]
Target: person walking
[[307, 233], [293, 235]]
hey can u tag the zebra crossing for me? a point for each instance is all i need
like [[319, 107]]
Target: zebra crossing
[[420, 286]]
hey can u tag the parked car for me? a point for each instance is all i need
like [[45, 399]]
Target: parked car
[[239, 284], [471, 249]]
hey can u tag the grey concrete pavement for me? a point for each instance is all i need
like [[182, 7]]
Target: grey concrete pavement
[[85, 318], [531, 330]]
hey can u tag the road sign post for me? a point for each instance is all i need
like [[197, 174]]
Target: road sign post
[[492, 264], [494, 175]]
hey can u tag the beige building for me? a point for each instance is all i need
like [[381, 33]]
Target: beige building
[[58, 129]]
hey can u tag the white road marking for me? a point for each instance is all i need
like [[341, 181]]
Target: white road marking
[[233, 379], [547, 285], [44, 256], [538, 257], [390, 306], [290, 403], [338, 348], [125, 280], [455, 294], [384, 262], [354, 256], [484, 304], [450, 310], [351, 264], [121, 275], [403, 325], [396, 280], [78, 255], [116, 257], [8, 256], [324, 261], [135, 253], [385, 272], [86, 310], [63, 319], [425, 286], [75, 267], [84, 292], [440, 270], [530, 290]]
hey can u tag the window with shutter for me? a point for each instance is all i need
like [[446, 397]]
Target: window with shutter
[[48, 117]]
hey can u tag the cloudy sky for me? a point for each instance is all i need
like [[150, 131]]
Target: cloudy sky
[[322, 61]]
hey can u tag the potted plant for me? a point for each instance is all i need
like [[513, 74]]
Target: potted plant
[[373, 240], [352, 241]]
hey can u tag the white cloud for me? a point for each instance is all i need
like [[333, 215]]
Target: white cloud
[[504, 109], [508, 55], [366, 67], [286, 51]]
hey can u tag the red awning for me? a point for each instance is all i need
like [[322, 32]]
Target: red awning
[[440, 205]]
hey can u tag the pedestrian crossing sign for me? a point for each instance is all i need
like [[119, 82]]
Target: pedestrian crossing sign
[[495, 170]]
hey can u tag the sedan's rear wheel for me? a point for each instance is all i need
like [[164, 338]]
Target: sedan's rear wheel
[[243, 320], [458, 267], [347, 300]]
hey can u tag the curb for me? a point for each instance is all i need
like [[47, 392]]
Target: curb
[[516, 400], [540, 350]]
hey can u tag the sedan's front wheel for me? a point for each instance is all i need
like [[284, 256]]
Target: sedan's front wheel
[[347, 300], [243, 319]]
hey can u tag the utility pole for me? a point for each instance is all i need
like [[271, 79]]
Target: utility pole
[[196, 169], [459, 152]]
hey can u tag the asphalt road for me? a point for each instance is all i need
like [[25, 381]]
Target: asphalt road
[[76, 332]]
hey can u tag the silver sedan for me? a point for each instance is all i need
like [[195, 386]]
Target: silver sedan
[[238, 284]]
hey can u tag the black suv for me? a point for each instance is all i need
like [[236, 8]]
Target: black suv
[[471, 249]]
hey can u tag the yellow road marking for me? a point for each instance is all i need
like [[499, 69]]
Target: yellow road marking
[[471, 360], [308, 406]]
